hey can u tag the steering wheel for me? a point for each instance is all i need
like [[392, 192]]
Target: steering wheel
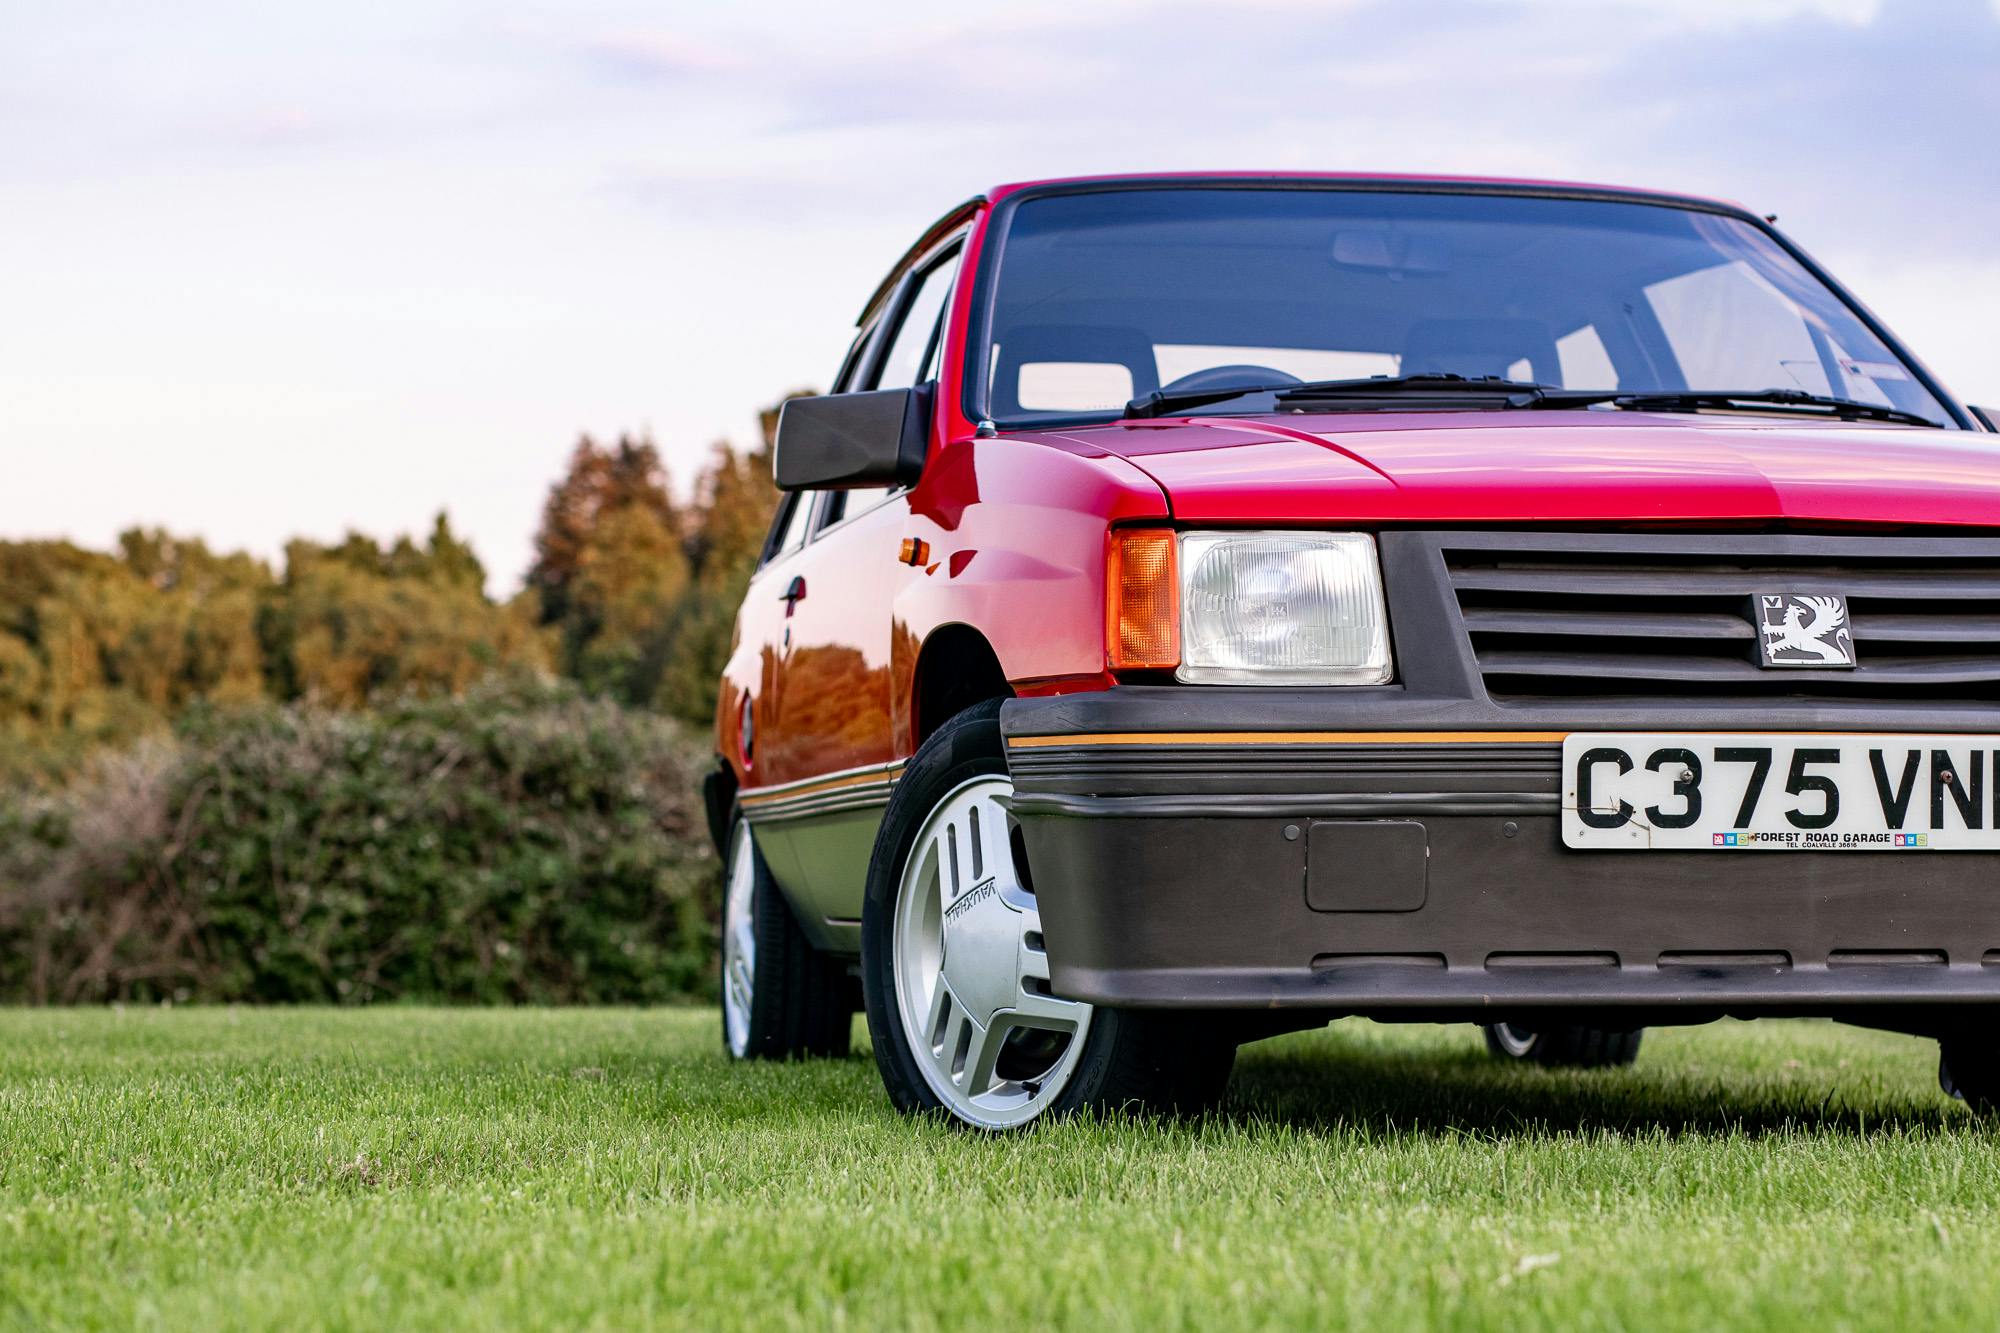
[[1230, 377]]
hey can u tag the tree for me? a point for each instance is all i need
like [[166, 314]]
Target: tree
[[599, 481], [445, 558], [354, 622], [738, 498], [734, 502], [735, 499], [630, 579], [629, 593], [612, 566]]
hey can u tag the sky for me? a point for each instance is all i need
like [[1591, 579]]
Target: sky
[[271, 270]]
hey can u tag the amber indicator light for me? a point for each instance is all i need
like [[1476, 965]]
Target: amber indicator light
[[1142, 613]]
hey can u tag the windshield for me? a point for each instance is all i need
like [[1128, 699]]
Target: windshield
[[1104, 297]]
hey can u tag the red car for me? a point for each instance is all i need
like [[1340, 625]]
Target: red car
[[1208, 606]]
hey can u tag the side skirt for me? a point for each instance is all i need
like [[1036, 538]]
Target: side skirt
[[817, 836]]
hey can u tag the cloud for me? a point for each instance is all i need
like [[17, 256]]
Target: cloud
[[655, 56], [1871, 117], [1725, 14], [267, 126], [1876, 135]]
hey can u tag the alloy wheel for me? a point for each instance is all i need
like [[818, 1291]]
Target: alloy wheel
[[971, 975], [1516, 1041], [739, 941]]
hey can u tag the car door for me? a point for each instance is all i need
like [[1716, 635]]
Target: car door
[[756, 667], [835, 707]]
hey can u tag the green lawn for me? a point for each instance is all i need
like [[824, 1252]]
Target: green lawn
[[218, 1169]]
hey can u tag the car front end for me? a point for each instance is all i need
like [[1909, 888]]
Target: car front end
[[1549, 807]]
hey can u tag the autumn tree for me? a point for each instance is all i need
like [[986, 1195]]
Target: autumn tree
[[735, 499], [630, 593], [444, 558], [611, 566], [355, 621], [600, 480], [96, 648], [642, 593]]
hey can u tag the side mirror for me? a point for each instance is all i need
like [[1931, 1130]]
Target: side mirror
[[847, 441], [1989, 417]]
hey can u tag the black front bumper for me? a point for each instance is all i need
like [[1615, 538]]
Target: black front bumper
[[1248, 849]]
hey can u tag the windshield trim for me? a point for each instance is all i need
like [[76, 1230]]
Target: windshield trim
[[973, 382]]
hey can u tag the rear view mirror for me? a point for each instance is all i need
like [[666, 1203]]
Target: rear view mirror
[[1989, 417], [1387, 250], [847, 441]]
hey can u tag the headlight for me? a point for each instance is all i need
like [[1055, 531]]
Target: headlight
[[1253, 608]]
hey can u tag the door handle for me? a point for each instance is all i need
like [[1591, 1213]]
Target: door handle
[[794, 591]]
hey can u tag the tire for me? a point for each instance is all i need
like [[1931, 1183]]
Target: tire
[[782, 999], [1564, 1045], [1969, 1069], [955, 981]]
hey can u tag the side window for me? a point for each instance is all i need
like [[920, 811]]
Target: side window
[[850, 365], [788, 532], [910, 359], [839, 504], [912, 354], [848, 504]]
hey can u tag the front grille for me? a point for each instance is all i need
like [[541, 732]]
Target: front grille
[[1623, 615]]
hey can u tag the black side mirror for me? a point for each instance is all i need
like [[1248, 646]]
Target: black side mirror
[[846, 441], [1989, 417]]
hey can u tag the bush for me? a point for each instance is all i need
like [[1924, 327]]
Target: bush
[[522, 843]]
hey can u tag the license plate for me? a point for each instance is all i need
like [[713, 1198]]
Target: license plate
[[1758, 792]]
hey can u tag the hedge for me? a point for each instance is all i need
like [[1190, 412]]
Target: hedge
[[522, 843]]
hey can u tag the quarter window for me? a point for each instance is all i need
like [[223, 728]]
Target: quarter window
[[850, 364], [792, 525], [846, 504], [912, 355]]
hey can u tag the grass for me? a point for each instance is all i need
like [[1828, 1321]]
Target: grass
[[223, 1169]]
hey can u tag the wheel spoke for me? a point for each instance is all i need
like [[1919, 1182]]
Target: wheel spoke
[[975, 843], [941, 858], [1034, 958], [981, 1054], [1035, 1010], [937, 1023], [1032, 1001]]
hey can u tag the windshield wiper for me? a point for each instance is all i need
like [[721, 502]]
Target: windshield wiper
[[1814, 404], [1420, 392], [1394, 390], [1406, 391]]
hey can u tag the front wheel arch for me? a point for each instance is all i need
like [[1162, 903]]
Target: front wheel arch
[[956, 669]]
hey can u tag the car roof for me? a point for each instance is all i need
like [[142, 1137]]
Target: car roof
[[1497, 184]]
